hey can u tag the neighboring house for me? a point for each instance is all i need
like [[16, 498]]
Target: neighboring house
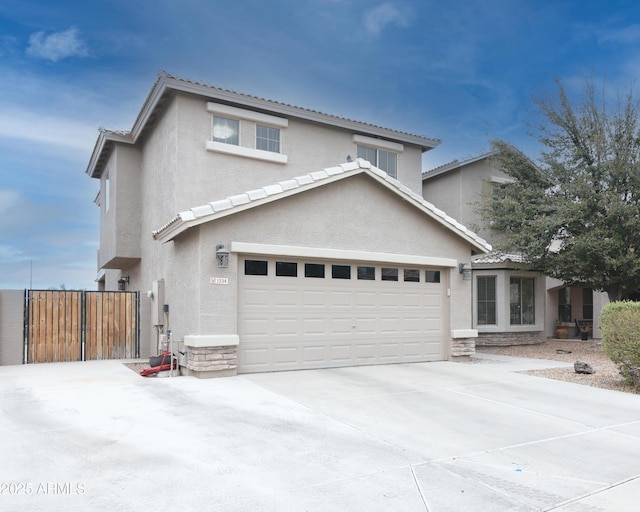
[[254, 231], [510, 304]]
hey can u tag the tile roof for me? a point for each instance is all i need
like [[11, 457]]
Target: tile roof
[[496, 257], [234, 204], [454, 164]]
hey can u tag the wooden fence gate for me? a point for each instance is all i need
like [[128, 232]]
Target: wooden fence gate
[[63, 325]]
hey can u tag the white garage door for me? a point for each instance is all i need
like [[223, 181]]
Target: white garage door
[[319, 314]]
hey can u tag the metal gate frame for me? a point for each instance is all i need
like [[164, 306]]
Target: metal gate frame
[[85, 325]]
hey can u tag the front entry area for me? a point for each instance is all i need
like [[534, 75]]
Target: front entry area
[[302, 314]]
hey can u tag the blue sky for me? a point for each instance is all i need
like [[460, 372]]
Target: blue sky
[[463, 71]]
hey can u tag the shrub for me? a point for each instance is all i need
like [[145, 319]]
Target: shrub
[[620, 327]]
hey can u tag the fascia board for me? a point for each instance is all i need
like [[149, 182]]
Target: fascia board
[[339, 254]]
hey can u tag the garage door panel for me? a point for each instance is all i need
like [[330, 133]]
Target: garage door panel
[[340, 299], [313, 298], [257, 298], [389, 325], [288, 323], [285, 326], [412, 325], [285, 298], [390, 300], [313, 326], [412, 300], [285, 355], [365, 299], [366, 325], [314, 353], [256, 326], [366, 352], [340, 353], [256, 358], [337, 326]]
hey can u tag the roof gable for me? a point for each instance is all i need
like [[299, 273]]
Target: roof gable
[[453, 165], [253, 198]]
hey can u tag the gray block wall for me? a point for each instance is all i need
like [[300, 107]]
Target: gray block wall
[[11, 326]]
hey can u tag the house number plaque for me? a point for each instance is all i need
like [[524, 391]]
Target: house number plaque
[[218, 280]]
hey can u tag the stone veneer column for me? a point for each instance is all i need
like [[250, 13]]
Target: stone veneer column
[[463, 342], [211, 355]]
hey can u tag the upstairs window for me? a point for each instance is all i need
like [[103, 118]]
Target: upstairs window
[[384, 160], [226, 130], [268, 138]]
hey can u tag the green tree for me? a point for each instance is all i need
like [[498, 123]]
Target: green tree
[[575, 213]]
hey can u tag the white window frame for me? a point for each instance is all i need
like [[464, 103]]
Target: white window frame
[[371, 143], [225, 140], [269, 139], [246, 118]]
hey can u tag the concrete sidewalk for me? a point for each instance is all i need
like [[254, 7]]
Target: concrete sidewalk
[[412, 437]]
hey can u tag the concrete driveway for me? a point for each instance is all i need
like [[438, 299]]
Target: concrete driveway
[[412, 437]]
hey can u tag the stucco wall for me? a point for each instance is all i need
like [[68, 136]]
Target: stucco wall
[[11, 326], [459, 191], [355, 213]]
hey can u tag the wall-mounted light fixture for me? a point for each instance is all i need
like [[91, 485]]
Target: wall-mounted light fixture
[[222, 256], [465, 271], [122, 283]]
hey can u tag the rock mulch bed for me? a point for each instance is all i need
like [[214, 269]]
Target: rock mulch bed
[[606, 373]]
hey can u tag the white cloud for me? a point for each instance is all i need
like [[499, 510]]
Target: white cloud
[[58, 131], [385, 14], [56, 46]]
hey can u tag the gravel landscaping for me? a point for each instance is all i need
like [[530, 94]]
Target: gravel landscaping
[[606, 373]]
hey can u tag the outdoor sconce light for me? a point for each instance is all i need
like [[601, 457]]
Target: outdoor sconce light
[[222, 256], [122, 283], [465, 271]]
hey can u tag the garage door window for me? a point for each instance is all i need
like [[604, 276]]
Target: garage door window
[[389, 274], [255, 268], [367, 273], [314, 270], [286, 269], [411, 275], [341, 271], [431, 276]]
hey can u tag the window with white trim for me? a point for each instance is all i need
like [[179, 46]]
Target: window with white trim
[[268, 138], [226, 130], [522, 301], [384, 160], [486, 300]]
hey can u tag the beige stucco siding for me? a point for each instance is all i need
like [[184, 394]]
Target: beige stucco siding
[[459, 193], [354, 214]]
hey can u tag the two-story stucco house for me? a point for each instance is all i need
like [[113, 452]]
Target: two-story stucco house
[[510, 304], [278, 235]]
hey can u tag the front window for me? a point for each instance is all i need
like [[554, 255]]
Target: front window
[[486, 300], [386, 161], [564, 304], [522, 301], [226, 130], [268, 138]]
